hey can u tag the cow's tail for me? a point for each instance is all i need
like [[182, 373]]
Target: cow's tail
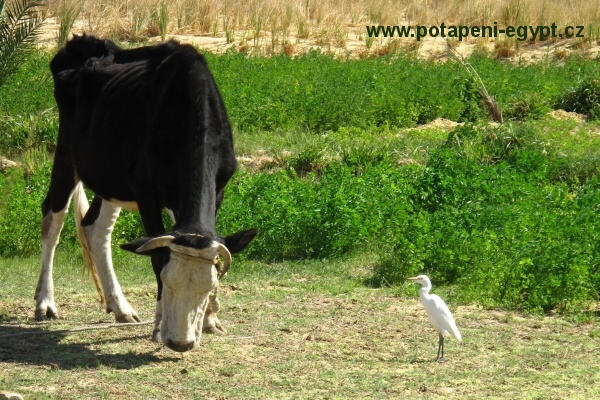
[[81, 205]]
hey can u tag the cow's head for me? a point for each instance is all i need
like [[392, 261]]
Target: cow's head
[[192, 272]]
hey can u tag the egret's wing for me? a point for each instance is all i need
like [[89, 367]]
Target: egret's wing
[[441, 317]]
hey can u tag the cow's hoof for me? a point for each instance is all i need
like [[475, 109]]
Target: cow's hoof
[[42, 314], [156, 336], [214, 330], [213, 325], [128, 319]]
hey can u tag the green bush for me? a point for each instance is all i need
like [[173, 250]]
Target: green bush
[[21, 199], [319, 93], [503, 230], [486, 213], [338, 211], [582, 99], [28, 116]]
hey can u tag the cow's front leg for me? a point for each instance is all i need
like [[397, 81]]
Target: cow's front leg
[[157, 321], [211, 323], [98, 225]]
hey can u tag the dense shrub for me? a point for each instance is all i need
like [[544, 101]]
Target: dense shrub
[[319, 92], [20, 211], [21, 197], [502, 229], [28, 117], [487, 212], [582, 99], [340, 210]]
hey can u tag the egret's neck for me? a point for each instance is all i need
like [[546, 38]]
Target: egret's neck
[[424, 292]]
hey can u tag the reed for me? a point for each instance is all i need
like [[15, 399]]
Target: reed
[[162, 18], [66, 14]]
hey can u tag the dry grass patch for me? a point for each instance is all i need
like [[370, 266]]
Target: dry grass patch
[[562, 115]]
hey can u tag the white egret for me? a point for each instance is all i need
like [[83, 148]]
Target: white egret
[[438, 312]]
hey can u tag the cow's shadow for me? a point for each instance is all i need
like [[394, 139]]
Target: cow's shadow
[[38, 347]]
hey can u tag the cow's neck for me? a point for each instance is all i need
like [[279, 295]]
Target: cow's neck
[[197, 200]]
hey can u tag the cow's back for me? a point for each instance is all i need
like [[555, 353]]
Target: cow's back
[[134, 114]]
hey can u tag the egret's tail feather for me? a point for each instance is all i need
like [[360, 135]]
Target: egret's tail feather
[[456, 335]]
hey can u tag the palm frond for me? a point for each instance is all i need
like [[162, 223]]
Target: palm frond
[[19, 23]]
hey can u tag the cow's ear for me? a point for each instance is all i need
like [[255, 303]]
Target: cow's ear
[[237, 242], [134, 244], [148, 246]]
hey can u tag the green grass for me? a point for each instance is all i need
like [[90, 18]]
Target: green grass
[[299, 330], [319, 94]]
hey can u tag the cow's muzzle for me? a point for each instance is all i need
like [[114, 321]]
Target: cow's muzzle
[[180, 346]]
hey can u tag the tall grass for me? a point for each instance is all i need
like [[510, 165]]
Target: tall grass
[[162, 18], [67, 13], [303, 19]]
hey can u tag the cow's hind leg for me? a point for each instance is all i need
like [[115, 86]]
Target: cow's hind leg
[[98, 224]]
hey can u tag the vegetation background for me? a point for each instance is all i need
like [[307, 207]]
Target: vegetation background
[[363, 161]]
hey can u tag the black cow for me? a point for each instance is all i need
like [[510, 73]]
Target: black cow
[[144, 129]]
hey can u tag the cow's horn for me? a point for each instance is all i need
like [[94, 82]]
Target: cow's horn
[[223, 252], [154, 243]]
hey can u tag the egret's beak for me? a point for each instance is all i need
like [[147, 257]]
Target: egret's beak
[[411, 279]]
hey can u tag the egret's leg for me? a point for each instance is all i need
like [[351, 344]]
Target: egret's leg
[[441, 348]]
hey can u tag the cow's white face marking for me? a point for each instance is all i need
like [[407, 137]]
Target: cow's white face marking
[[187, 283], [188, 280]]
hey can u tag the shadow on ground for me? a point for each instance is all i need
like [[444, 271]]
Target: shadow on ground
[[37, 346]]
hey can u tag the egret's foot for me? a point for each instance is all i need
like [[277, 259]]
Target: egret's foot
[[441, 360]]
